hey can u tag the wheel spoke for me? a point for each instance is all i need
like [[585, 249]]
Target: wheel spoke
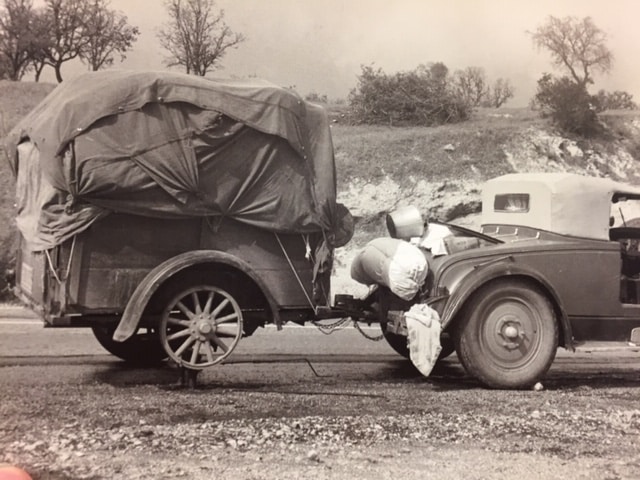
[[184, 346], [209, 352], [196, 302], [219, 308], [185, 310], [207, 306], [196, 352], [178, 322], [227, 331], [220, 343], [180, 334], [226, 318]]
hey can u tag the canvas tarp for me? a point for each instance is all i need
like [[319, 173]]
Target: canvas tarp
[[166, 145]]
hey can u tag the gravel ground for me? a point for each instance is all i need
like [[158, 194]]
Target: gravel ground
[[258, 421]]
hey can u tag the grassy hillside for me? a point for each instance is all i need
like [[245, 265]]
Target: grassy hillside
[[373, 153], [439, 169]]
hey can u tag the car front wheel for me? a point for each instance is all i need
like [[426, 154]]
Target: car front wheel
[[508, 334]]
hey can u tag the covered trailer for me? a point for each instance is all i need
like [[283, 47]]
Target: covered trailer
[[174, 214]]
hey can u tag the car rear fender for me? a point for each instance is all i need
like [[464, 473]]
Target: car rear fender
[[160, 274], [482, 275]]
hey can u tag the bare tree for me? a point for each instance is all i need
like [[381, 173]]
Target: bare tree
[[498, 95], [16, 37], [576, 45], [196, 36], [40, 28], [471, 84], [67, 37], [107, 34]]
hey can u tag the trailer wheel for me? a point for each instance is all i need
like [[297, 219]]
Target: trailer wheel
[[142, 349], [201, 326]]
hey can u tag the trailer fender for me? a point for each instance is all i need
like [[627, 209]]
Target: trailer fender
[[156, 277], [481, 276]]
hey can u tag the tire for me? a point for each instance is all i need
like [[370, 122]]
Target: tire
[[508, 335], [448, 346], [388, 301], [142, 349], [400, 343]]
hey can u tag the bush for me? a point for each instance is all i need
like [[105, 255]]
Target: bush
[[618, 100], [420, 97], [568, 104]]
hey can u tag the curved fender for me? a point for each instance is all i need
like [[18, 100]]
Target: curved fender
[[482, 275], [156, 277]]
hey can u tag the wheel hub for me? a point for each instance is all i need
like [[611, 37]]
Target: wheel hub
[[202, 326], [510, 330]]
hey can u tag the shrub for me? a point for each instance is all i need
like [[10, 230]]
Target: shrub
[[423, 96], [618, 100], [568, 104]]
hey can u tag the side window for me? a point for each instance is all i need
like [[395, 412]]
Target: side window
[[511, 202]]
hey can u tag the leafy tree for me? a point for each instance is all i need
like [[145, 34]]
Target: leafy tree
[[17, 37], [578, 46], [471, 85], [568, 104], [196, 36], [498, 94], [107, 34]]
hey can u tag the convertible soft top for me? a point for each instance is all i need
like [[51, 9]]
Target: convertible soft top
[[166, 145], [560, 202]]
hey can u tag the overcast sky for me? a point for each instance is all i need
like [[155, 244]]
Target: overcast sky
[[320, 45]]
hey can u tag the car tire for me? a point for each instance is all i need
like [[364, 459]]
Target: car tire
[[448, 346], [142, 349], [508, 335], [398, 342]]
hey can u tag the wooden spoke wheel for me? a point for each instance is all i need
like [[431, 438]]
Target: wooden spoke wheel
[[201, 326]]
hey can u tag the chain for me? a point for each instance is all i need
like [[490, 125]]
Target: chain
[[368, 337], [340, 323], [328, 329]]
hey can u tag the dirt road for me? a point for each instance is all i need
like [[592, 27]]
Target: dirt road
[[299, 404]]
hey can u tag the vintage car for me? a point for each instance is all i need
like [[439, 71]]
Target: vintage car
[[556, 264], [174, 214]]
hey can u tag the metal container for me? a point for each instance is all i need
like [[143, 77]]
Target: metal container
[[405, 223]]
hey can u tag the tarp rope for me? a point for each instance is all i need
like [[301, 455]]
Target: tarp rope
[[338, 324], [295, 273]]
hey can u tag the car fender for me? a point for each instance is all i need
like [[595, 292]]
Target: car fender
[[156, 277], [492, 270]]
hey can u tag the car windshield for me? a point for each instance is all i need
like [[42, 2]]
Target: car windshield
[[625, 213]]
